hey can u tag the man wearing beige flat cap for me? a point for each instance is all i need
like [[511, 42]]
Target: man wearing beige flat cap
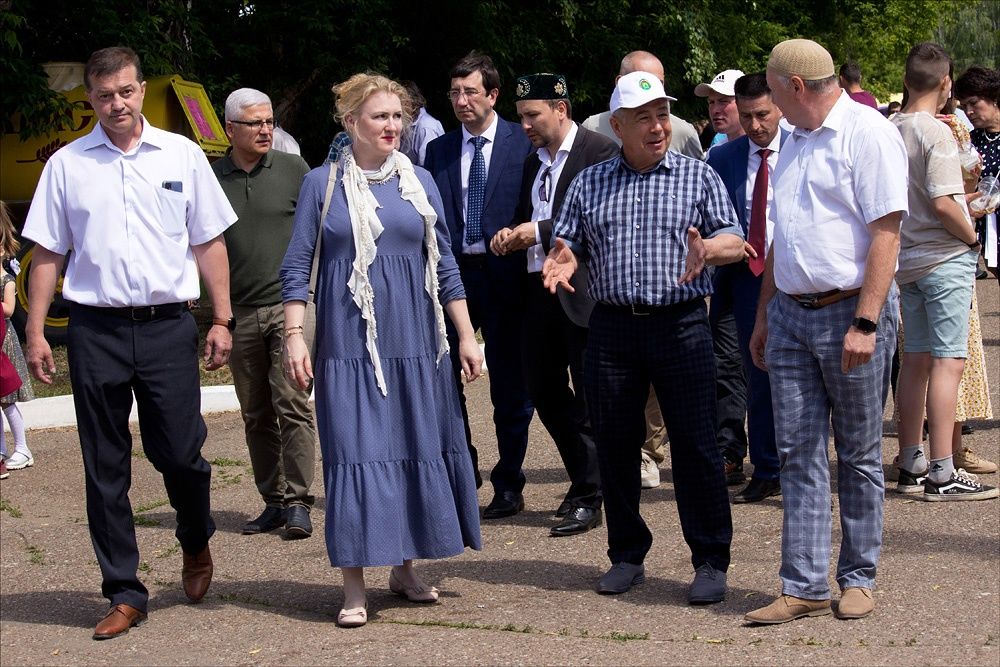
[[826, 327]]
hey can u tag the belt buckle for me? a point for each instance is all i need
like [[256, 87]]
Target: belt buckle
[[643, 310], [809, 301], [148, 311]]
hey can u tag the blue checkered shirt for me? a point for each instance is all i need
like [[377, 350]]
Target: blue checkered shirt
[[631, 227]]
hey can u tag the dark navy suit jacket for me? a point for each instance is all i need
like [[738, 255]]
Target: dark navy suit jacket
[[730, 161], [503, 187]]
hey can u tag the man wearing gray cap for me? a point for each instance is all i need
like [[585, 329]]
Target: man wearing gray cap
[[826, 327], [647, 221]]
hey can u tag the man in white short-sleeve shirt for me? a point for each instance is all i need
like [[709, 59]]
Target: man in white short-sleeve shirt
[[142, 214], [826, 327]]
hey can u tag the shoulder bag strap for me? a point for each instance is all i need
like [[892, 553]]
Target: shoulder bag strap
[[314, 272]]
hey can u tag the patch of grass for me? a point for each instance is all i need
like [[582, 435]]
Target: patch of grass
[[150, 506], [512, 627], [144, 566], [630, 636], [802, 641], [169, 551], [138, 454], [35, 555], [144, 521], [223, 462], [12, 510]]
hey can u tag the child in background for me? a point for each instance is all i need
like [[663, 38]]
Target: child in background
[[21, 456]]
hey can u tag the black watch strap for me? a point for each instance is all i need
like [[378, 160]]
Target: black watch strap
[[864, 325]]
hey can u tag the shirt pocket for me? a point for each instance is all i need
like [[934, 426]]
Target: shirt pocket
[[173, 211]]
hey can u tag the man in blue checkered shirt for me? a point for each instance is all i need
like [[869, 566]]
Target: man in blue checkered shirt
[[647, 222]]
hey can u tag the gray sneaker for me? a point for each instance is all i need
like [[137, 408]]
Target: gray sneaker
[[708, 587], [960, 486], [620, 578]]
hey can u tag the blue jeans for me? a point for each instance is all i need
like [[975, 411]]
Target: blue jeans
[[808, 389]]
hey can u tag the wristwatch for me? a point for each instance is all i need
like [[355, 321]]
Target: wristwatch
[[864, 325], [229, 324]]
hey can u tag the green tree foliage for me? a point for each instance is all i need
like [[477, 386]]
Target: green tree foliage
[[296, 49], [970, 30]]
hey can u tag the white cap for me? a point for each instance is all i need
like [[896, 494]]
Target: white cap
[[722, 84], [637, 88]]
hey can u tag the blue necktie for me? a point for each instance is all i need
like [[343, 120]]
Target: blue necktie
[[477, 192]]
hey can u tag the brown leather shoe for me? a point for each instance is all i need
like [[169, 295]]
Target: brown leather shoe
[[117, 621], [196, 575], [788, 608], [855, 602]]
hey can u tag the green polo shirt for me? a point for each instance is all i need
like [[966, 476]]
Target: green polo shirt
[[265, 201]]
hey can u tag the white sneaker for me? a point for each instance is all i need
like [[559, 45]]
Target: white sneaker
[[19, 460], [650, 472]]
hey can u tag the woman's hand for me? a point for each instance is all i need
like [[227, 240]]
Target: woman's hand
[[298, 367], [471, 356]]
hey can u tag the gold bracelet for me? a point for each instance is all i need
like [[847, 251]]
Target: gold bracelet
[[294, 330]]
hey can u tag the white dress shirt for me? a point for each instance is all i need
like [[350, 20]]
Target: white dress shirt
[[829, 184], [753, 164], [542, 210], [131, 237], [468, 150]]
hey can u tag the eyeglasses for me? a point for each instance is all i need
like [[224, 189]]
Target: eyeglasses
[[256, 125], [469, 93], [545, 185]]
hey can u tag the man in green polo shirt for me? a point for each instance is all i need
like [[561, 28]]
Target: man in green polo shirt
[[263, 186]]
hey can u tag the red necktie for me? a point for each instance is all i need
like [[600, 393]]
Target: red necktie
[[758, 214]]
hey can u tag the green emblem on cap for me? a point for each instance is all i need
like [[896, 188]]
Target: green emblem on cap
[[645, 85]]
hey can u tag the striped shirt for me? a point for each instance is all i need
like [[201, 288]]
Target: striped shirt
[[631, 227]]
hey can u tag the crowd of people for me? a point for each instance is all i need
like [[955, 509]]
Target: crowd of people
[[585, 255]]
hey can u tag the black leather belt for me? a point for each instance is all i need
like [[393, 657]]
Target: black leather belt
[[140, 313], [817, 300], [641, 309]]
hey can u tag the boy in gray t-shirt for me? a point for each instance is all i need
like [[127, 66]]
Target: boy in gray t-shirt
[[937, 265]]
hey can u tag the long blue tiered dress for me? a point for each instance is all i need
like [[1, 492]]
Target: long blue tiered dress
[[399, 479]]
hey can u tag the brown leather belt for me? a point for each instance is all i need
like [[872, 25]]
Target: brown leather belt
[[818, 300]]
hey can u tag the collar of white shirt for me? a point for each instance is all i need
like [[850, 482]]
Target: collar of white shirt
[[835, 118], [490, 133], [98, 137], [564, 147], [774, 146]]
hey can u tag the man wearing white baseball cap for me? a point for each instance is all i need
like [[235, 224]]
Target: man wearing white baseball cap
[[722, 105], [648, 221]]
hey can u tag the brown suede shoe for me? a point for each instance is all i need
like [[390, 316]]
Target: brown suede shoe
[[117, 621], [855, 603], [196, 575], [788, 608]]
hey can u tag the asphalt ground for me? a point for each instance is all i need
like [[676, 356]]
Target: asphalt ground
[[525, 598]]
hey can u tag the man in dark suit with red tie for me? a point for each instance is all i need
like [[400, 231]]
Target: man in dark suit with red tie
[[555, 326], [478, 170], [745, 165]]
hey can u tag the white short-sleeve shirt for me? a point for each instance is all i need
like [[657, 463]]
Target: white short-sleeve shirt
[[129, 219], [829, 184]]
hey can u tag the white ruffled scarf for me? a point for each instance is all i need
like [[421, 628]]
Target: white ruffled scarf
[[366, 226]]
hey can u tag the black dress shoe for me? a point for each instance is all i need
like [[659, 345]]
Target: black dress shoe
[[269, 519], [579, 520], [621, 578], [298, 526], [758, 489], [505, 503], [563, 509]]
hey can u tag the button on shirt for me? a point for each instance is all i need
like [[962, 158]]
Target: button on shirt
[[829, 184], [468, 150], [542, 210], [632, 227], [753, 164], [131, 237]]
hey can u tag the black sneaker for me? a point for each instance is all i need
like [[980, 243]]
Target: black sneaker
[[961, 486], [911, 482]]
